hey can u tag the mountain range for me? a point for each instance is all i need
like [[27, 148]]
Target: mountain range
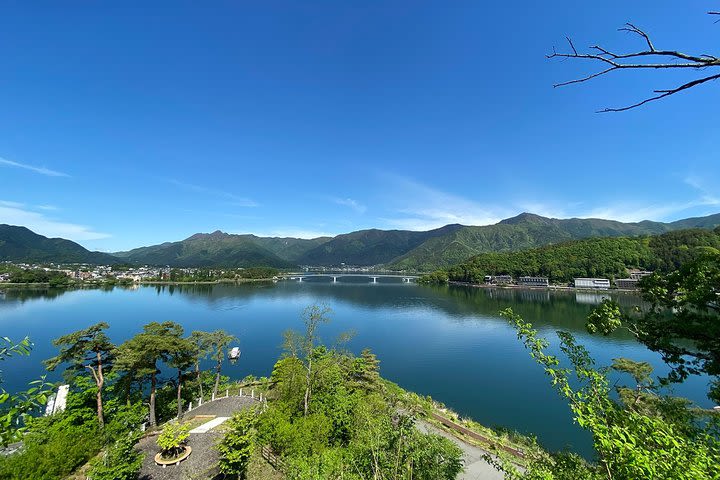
[[400, 249]]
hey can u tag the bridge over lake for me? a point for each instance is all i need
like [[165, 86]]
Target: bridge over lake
[[336, 277]]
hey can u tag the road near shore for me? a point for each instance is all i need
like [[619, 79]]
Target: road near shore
[[476, 468]]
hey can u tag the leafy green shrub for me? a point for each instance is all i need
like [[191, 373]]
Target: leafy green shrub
[[173, 438], [237, 446], [53, 448], [121, 461]]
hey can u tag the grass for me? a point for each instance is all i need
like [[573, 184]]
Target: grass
[[259, 469], [197, 421]]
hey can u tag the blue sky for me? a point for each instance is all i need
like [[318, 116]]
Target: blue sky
[[140, 122]]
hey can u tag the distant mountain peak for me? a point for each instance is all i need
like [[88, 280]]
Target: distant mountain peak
[[525, 217], [215, 234]]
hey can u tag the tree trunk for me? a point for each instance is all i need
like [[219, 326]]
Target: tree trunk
[[217, 376], [199, 379], [100, 382], [308, 379], [179, 398], [153, 385]]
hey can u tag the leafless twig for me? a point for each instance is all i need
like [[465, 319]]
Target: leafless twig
[[648, 58]]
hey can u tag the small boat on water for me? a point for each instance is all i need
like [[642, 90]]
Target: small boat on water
[[234, 353]]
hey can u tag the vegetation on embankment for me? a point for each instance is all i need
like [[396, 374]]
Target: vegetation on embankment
[[595, 257]]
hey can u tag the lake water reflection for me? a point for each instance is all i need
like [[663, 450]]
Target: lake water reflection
[[446, 342]]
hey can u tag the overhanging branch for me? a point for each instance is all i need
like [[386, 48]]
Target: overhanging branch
[[648, 58]]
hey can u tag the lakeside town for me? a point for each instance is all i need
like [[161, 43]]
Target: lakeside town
[[67, 274]]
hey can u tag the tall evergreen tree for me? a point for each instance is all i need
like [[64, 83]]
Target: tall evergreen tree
[[141, 354], [218, 342], [88, 349], [181, 357]]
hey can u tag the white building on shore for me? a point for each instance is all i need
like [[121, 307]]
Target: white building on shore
[[599, 283]]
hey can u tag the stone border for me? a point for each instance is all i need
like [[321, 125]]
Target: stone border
[[165, 463]]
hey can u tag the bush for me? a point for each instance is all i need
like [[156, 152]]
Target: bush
[[53, 448], [237, 446], [173, 438], [121, 461]]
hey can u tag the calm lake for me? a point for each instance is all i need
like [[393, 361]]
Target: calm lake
[[446, 342]]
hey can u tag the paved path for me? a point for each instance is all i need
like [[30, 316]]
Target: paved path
[[207, 426], [476, 468], [203, 460]]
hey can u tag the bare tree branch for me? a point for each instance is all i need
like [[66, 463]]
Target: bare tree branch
[[663, 94], [649, 58]]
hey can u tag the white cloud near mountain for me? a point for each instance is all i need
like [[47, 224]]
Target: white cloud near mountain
[[15, 213], [231, 199], [349, 202], [420, 207]]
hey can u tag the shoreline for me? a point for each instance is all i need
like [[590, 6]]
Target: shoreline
[[121, 284], [561, 288]]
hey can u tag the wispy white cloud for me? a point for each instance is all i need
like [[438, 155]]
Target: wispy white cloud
[[423, 208], [635, 211], [15, 213], [47, 208], [7, 203], [292, 232], [349, 202], [32, 168], [232, 199], [709, 191]]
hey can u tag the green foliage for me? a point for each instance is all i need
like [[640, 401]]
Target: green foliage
[[526, 231], [630, 443], [52, 448], [689, 337], [138, 357], [19, 244], [16, 409], [673, 250], [173, 439], [217, 249], [605, 318], [86, 350], [121, 461], [213, 344], [346, 424], [38, 275], [370, 247], [258, 272], [683, 320], [237, 445], [594, 257]]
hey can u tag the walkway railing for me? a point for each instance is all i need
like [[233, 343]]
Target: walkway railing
[[270, 457], [244, 391], [474, 435]]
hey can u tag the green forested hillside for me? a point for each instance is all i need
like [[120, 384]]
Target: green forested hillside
[[290, 249], [595, 257], [397, 249], [216, 249], [370, 247], [527, 231], [19, 244]]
